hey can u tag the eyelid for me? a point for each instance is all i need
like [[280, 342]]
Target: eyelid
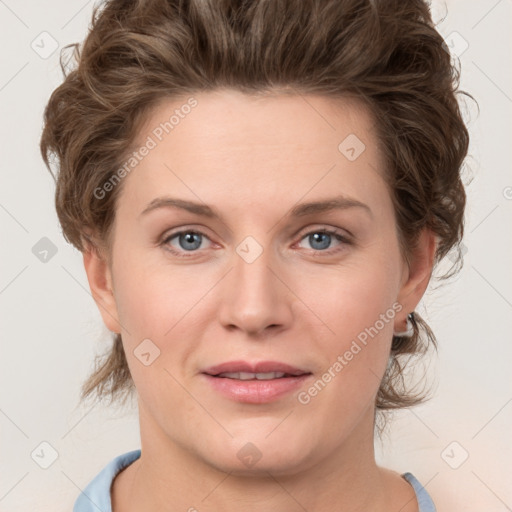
[[336, 233], [319, 228], [344, 235], [182, 230], [301, 233]]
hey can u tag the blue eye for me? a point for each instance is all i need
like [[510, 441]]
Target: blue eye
[[321, 239], [190, 241]]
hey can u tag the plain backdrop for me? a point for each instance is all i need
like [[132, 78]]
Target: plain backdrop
[[458, 444]]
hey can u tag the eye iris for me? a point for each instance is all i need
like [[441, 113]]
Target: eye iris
[[324, 240], [190, 238]]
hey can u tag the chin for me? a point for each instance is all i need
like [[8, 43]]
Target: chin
[[271, 464], [250, 455]]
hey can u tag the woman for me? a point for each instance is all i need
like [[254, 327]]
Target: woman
[[260, 191]]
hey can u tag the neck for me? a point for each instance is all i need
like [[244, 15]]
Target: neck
[[167, 476]]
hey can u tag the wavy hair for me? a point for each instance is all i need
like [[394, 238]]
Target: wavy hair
[[386, 53]]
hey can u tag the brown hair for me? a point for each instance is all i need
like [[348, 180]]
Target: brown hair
[[386, 53]]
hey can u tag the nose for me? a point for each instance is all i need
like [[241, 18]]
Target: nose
[[255, 296]]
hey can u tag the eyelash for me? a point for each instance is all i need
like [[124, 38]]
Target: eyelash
[[184, 254]]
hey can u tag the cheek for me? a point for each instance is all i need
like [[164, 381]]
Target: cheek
[[157, 301], [150, 296], [356, 304], [352, 297]]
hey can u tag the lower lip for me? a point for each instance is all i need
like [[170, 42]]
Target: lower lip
[[256, 391]]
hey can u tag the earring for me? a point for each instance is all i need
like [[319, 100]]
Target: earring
[[410, 327]]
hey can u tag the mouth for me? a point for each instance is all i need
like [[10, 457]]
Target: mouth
[[255, 383], [257, 369], [254, 376]]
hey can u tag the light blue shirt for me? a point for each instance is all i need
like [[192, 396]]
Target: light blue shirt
[[96, 496]]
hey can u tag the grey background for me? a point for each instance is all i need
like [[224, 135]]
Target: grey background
[[457, 445]]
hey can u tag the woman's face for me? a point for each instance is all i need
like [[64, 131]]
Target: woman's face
[[245, 272]]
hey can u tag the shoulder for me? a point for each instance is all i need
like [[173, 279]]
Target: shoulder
[[425, 502], [96, 496]]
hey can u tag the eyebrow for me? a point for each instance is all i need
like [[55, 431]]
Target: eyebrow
[[300, 210]]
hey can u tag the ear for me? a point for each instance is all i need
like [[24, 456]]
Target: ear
[[100, 282], [416, 276]]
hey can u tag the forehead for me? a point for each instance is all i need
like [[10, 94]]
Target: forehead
[[211, 143], [270, 118]]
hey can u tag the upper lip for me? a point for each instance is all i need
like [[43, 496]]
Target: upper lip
[[255, 367]]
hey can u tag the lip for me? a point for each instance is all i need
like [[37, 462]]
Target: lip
[[256, 367], [255, 391]]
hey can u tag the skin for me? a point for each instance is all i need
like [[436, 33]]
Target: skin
[[254, 159]]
